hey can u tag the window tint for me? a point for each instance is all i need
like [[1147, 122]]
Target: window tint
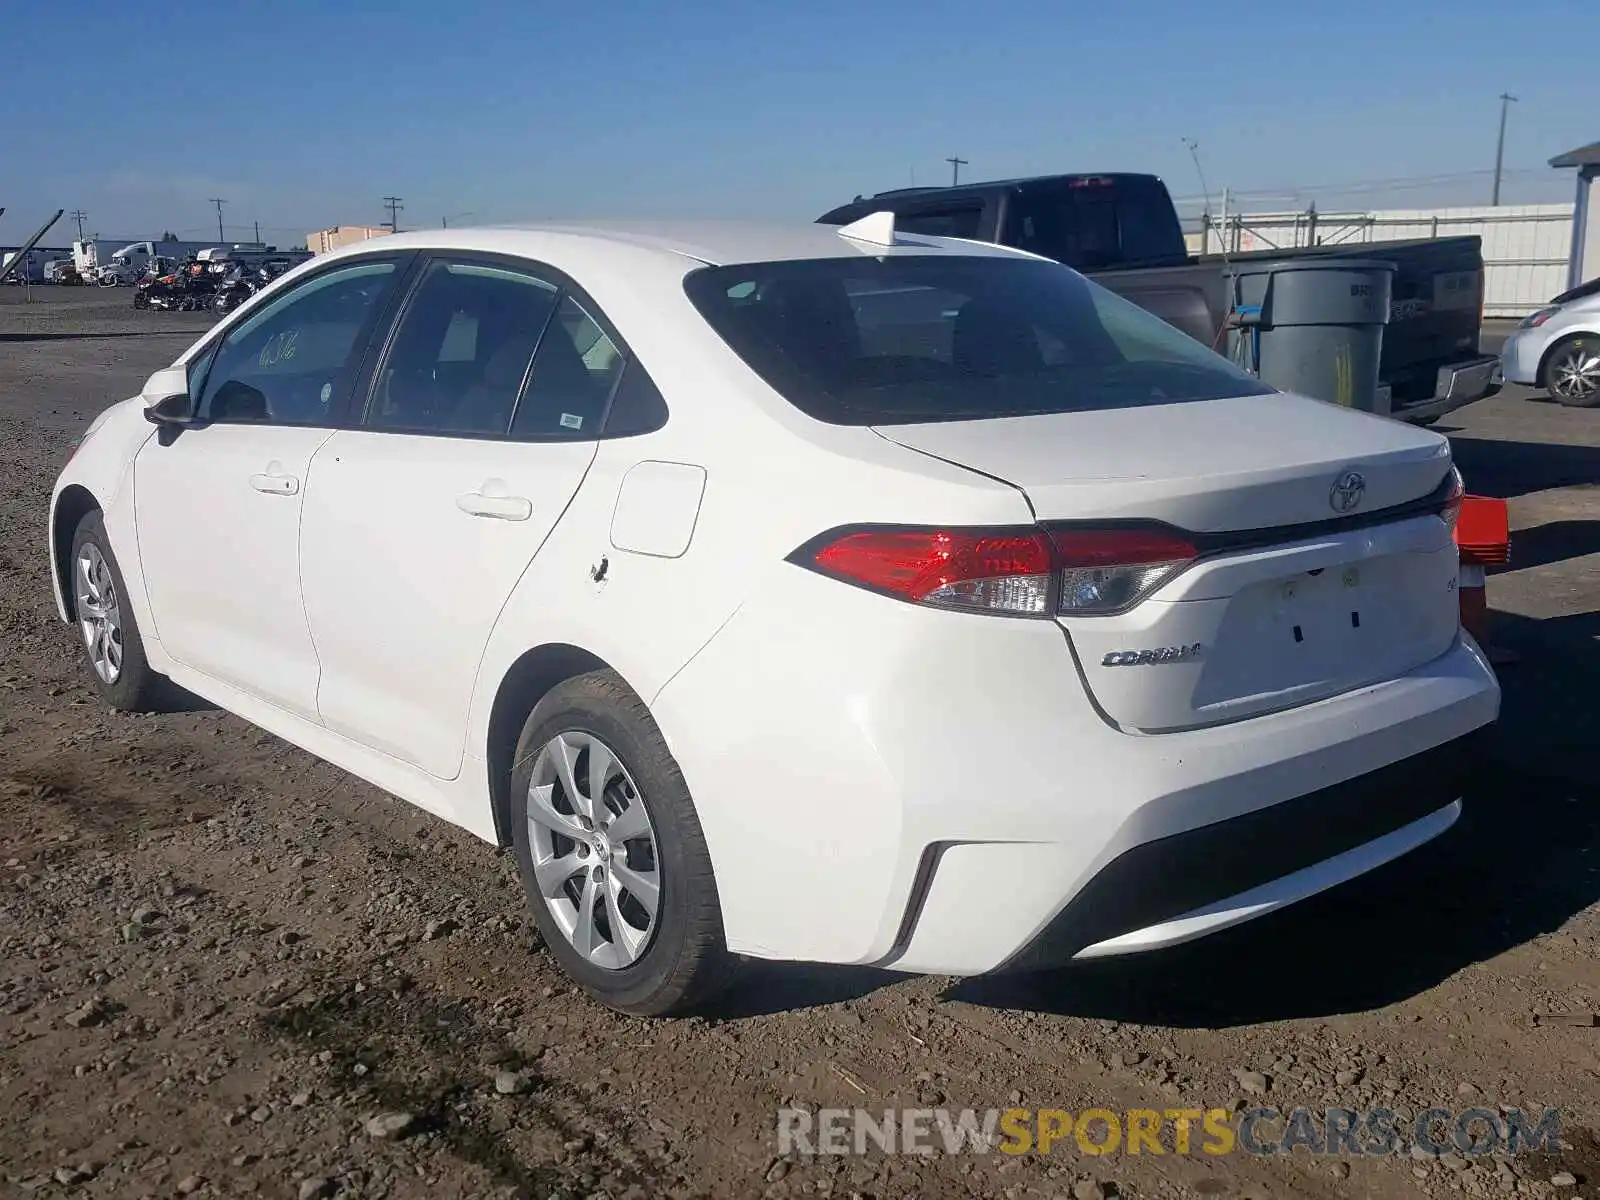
[[863, 341], [960, 222], [573, 376], [197, 374], [637, 405], [284, 364], [460, 356]]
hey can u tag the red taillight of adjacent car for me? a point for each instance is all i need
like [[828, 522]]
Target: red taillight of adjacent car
[[1020, 572]]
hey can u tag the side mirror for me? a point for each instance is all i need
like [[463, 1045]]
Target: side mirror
[[166, 397], [174, 411]]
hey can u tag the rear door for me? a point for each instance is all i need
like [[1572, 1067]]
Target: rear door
[[479, 424]]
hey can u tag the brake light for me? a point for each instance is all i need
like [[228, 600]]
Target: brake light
[[1450, 511], [986, 570], [1016, 571], [1108, 570]]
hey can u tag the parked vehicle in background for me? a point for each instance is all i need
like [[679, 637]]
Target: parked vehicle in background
[[1123, 231], [243, 280], [31, 268], [783, 591], [1558, 348]]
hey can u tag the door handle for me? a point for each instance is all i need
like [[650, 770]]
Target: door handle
[[502, 508], [275, 485]]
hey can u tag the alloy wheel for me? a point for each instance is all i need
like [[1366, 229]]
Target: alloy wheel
[[99, 612], [1575, 372], [594, 850]]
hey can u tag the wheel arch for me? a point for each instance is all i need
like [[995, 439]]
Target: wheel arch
[[73, 504], [527, 681]]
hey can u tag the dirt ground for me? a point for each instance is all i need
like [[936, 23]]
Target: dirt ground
[[221, 960]]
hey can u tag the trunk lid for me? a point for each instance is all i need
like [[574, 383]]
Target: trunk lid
[[1313, 603]]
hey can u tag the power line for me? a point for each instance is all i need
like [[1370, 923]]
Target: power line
[[392, 203], [221, 237]]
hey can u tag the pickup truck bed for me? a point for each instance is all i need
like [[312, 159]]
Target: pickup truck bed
[[1123, 232], [1430, 347]]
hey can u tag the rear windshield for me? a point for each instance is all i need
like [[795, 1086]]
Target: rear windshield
[[1097, 222], [883, 341]]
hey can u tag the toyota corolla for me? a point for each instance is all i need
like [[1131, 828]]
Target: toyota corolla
[[792, 592]]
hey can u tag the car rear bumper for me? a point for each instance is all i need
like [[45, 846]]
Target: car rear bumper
[[1455, 386], [1171, 889], [935, 792]]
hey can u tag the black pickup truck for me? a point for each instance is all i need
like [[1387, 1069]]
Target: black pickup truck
[[1123, 231]]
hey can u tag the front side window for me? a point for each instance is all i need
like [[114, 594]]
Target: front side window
[[461, 355], [938, 337], [286, 364]]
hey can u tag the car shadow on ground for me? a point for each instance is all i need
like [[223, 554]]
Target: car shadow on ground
[[1504, 469], [1553, 542]]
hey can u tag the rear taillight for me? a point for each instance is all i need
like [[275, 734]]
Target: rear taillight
[[1108, 570], [1451, 509], [1021, 572], [989, 570]]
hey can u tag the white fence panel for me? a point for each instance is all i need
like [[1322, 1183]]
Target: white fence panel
[[1525, 246]]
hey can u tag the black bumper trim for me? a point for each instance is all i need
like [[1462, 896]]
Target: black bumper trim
[[1163, 879]]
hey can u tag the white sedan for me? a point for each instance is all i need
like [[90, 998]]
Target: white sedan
[[1558, 348], [792, 592]]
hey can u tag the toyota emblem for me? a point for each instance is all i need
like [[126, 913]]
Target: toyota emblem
[[1346, 492]]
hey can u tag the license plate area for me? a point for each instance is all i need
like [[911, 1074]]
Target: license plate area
[[1322, 631]]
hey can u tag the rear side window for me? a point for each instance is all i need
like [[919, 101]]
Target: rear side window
[[462, 351], [574, 373], [911, 338], [1095, 222]]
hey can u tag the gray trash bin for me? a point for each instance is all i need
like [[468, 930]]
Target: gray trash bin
[[1314, 326]]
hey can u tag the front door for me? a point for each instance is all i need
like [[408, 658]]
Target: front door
[[218, 506], [480, 425]]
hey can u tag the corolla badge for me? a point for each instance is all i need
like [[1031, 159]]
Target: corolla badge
[[1346, 492], [1150, 658]]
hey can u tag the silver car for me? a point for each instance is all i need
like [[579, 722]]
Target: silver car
[[1558, 348]]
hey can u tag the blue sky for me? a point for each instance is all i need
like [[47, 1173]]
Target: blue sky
[[303, 115]]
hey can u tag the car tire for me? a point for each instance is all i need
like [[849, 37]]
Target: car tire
[[679, 960], [112, 647], [1571, 371]]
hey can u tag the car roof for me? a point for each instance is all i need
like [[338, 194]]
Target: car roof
[[718, 243]]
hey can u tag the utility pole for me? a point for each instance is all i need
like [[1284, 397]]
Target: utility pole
[[1506, 101], [956, 163], [392, 203], [258, 233], [79, 216], [221, 237]]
